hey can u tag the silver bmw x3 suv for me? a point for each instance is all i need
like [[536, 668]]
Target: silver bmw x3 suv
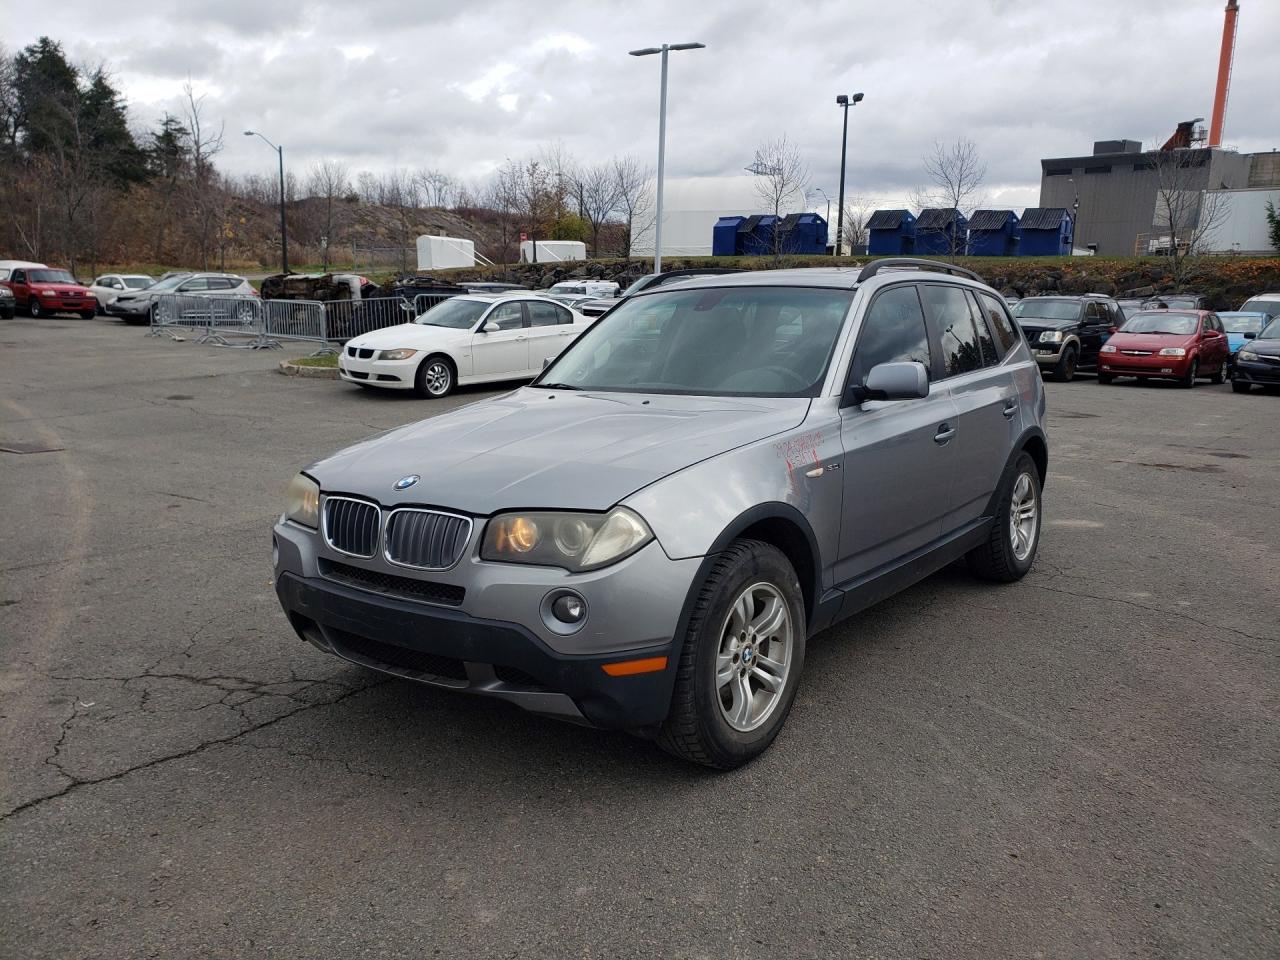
[[645, 536]]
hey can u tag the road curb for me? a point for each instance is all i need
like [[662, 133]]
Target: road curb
[[291, 369]]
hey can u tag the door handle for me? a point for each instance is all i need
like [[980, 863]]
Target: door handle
[[519, 339], [1010, 408], [945, 432]]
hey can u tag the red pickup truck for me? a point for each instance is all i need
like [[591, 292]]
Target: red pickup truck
[[44, 290]]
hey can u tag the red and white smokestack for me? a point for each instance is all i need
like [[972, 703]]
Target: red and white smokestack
[[1224, 73]]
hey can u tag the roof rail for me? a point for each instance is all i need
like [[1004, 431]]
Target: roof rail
[[912, 263]]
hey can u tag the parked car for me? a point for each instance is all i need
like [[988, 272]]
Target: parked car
[[1177, 301], [8, 266], [470, 338], [135, 306], [43, 291], [651, 280], [570, 300], [1066, 333], [1129, 306], [110, 285], [585, 288], [1180, 345], [1263, 303], [8, 306], [489, 287], [646, 536], [1242, 327], [1258, 361]]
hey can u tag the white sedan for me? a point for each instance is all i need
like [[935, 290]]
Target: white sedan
[[477, 338]]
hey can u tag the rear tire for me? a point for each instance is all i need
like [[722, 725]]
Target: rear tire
[[436, 377], [1240, 386], [735, 686], [1011, 546], [1189, 380], [1065, 369]]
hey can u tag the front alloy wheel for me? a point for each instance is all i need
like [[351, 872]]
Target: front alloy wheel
[[33, 307], [754, 657], [435, 378]]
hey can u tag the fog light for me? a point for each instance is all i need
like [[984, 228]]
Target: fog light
[[569, 608]]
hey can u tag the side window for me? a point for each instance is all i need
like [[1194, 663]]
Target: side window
[[999, 322], [100, 282], [949, 309], [892, 330], [19, 276], [542, 313], [221, 283], [1091, 312], [564, 315], [990, 356], [195, 284], [506, 316]]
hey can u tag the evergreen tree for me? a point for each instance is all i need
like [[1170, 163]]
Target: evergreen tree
[[105, 133], [1273, 226], [47, 94]]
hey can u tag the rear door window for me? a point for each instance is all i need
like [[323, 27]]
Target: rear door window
[[990, 355], [545, 314], [998, 320]]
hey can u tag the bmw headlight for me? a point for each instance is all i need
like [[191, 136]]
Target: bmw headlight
[[1246, 355], [1108, 348], [574, 541], [302, 501], [1051, 336], [1173, 352], [401, 354]]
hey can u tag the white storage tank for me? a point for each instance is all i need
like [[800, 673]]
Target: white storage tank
[[553, 251], [439, 253]]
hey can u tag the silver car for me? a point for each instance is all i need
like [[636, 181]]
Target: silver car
[[645, 536], [185, 294]]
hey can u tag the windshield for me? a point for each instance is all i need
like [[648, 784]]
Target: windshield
[[638, 285], [1270, 304], [1271, 332], [456, 314], [137, 283], [1162, 321], [1241, 322], [1047, 309], [744, 341], [51, 276]]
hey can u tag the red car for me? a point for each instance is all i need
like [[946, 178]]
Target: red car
[[1169, 344], [45, 290]]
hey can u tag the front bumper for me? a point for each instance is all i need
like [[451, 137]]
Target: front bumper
[[67, 304], [1256, 371], [483, 631], [129, 308], [1047, 354], [396, 374], [1153, 365]]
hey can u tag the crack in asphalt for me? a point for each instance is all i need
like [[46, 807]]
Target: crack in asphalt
[[78, 783], [317, 758]]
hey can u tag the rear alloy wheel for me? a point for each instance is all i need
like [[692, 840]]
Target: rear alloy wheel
[[740, 661], [1015, 534], [1189, 380], [1065, 370], [1240, 386], [435, 378]]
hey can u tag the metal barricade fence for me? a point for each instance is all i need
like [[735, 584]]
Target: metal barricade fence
[[350, 318], [212, 316], [296, 320]]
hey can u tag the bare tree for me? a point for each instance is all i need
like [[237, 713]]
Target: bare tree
[[956, 173], [329, 181], [399, 190], [437, 187], [1187, 217], [781, 179], [857, 211], [635, 199], [204, 143], [597, 193]]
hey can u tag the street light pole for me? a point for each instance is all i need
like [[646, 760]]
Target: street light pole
[[284, 235], [843, 100], [662, 136]]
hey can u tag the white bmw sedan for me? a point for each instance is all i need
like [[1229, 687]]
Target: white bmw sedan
[[477, 338]]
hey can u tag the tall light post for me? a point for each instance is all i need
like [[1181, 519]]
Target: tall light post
[[662, 135], [284, 236], [845, 101], [819, 190]]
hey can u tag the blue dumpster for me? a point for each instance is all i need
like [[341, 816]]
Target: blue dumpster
[[941, 231], [803, 233], [993, 233], [891, 233], [724, 237], [1046, 232], [756, 234]]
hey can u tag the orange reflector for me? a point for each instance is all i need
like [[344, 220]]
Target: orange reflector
[[629, 667]]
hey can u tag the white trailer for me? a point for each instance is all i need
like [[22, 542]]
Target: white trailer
[[439, 253], [553, 251]]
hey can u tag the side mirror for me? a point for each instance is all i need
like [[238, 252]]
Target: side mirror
[[1249, 335], [902, 380], [483, 328]]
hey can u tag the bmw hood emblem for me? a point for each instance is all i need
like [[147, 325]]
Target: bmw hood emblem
[[404, 483]]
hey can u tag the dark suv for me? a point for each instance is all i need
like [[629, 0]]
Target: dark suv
[[1067, 332]]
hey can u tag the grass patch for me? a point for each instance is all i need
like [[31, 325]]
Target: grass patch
[[328, 360]]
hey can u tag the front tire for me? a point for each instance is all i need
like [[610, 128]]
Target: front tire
[[1240, 386], [88, 314], [436, 378], [1189, 380], [1065, 369], [1106, 378], [740, 661], [34, 308], [1011, 546]]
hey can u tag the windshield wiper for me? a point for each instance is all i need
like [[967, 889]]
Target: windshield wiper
[[557, 386]]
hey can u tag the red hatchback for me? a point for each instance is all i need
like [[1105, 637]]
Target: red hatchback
[[1170, 344]]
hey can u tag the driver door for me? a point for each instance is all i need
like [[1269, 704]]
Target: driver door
[[502, 350], [899, 455]]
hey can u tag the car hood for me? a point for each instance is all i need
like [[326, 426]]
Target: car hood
[[406, 335], [76, 288], [1150, 341], [1267, 348], [542, 449], [1042, 323]]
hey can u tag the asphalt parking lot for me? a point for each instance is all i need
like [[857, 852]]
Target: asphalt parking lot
[[1083, 764]]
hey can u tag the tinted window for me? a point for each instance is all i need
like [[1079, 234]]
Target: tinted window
[[893, 330], [505, 316], [544, 314], [19, 276], [949, 308], [998, 321], [195, 283], [990, 356]]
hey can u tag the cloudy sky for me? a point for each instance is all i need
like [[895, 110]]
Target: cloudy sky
[[461, 86]]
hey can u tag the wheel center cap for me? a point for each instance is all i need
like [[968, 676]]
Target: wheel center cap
[[747, 655]]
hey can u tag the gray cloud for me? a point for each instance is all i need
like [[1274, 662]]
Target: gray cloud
[[402, 83]]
